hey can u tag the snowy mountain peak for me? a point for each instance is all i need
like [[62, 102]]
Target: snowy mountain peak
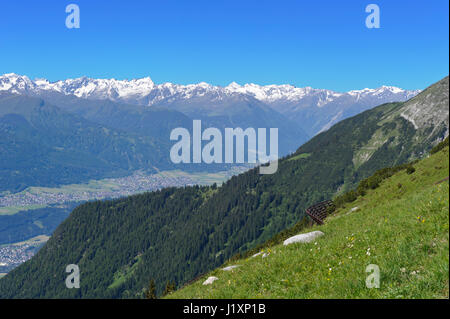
[[83, 87], [233, 86], [105, 88], [381, 90], [15, 83]]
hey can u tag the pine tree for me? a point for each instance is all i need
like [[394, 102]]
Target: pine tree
[[170, 287], [151, 291]]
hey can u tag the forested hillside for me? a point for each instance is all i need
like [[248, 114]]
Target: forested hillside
[[42, 145], [177, 234], [400, 225]]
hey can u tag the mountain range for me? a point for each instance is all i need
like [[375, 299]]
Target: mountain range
[[177, 234], [314, 110], [80, 129]]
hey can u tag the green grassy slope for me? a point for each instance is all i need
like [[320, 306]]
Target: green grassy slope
[[402, 226]]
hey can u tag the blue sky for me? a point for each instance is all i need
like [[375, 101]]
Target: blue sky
[[323, 44]]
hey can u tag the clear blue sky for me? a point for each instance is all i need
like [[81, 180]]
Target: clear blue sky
[[323, 44]]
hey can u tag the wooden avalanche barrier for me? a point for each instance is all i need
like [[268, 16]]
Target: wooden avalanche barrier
[[318, 212]]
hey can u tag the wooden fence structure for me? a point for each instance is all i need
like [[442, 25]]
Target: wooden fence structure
[[318, 212]]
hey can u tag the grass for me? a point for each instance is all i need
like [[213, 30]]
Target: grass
[[124, 274], [376, 141], [34, 241], [11, 210], [402, 226], [300, 156]]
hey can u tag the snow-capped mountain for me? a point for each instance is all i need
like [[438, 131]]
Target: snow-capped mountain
[[314, 109], [123, 90]]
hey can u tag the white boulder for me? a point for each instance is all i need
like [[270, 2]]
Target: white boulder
[[303, 238], [210, 280], [257, 254], [230, 267]]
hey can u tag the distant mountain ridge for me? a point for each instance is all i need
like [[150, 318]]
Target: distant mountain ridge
[[314, 109]]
